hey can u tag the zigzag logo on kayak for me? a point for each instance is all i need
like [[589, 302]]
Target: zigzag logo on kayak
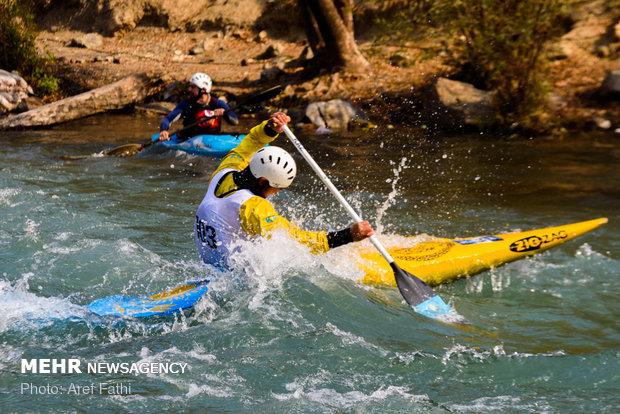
[[531, 243]]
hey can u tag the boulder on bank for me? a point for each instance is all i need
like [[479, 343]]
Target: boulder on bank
[[610, 88], [125, 92], [335, 114], [454, 105], [13, 91], [87, 41]]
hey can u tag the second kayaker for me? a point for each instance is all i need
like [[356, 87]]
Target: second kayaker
[[199, 108]]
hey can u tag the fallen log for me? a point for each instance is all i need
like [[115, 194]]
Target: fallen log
[[127, 91]]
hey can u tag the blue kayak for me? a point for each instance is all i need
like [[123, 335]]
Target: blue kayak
[[210, 145], [163, 303]]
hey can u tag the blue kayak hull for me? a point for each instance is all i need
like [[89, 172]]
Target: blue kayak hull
[[163, 303], [211, 145]]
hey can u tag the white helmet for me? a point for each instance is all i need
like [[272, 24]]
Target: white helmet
[[274, 164], [202, 81]]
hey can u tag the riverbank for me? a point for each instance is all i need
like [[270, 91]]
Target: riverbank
[[232, 60], [390, 93]]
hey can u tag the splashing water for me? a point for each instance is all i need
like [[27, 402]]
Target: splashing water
[[392, 195], [23, 309]]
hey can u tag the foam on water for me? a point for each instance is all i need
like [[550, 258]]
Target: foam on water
[[461, 355], [312, 389], [502, 403], [6, 196], [9, 355], [23, 309], [263, 266], [349, 339], [267, 260]]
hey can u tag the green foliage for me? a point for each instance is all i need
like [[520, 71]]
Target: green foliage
[[499, 44], [17, 47], [612, 4], [494, 44], [401, 18]]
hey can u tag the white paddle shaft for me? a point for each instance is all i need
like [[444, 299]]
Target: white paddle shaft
[[343, 202]]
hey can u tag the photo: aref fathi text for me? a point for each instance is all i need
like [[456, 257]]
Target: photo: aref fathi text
[[101, 388]]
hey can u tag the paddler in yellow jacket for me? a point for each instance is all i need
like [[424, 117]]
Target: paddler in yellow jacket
[[235, 205]]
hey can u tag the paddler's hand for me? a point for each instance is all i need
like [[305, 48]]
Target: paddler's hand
[[361, 231], [219, 112], [163, 136], [278, 120]]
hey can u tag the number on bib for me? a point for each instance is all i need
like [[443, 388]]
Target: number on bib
[[205, 233]]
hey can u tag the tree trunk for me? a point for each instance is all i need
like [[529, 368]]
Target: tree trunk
[[117, 95], [329, 27], [345, 8]]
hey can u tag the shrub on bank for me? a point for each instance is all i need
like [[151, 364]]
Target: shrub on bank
[[17, 47], [499, 44], [493, 44]]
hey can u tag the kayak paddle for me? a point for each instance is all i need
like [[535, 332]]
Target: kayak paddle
[[128, 150], [416, 292]]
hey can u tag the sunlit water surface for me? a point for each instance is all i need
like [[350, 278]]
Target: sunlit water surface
[[290, 332]]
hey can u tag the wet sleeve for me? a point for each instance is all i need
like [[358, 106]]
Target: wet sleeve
[[173, 115], [339, 238], [239, 158], [229, 115], [259, 218]]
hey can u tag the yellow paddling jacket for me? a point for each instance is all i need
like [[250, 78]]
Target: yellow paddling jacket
[[229, 213]]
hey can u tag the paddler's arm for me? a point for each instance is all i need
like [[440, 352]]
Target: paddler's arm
[[259, 218], [224, 110], [239, 158], [357, 232], [172, 116]]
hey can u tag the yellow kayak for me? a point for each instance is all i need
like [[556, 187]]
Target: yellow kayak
[[445, 260]]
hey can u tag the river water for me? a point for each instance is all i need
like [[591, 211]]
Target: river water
[[290, 332]]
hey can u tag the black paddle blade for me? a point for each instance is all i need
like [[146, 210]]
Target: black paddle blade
[[419, 295], [413, 289], [126, 150]]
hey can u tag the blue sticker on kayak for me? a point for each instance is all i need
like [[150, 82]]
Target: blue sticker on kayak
[[478, 240]]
